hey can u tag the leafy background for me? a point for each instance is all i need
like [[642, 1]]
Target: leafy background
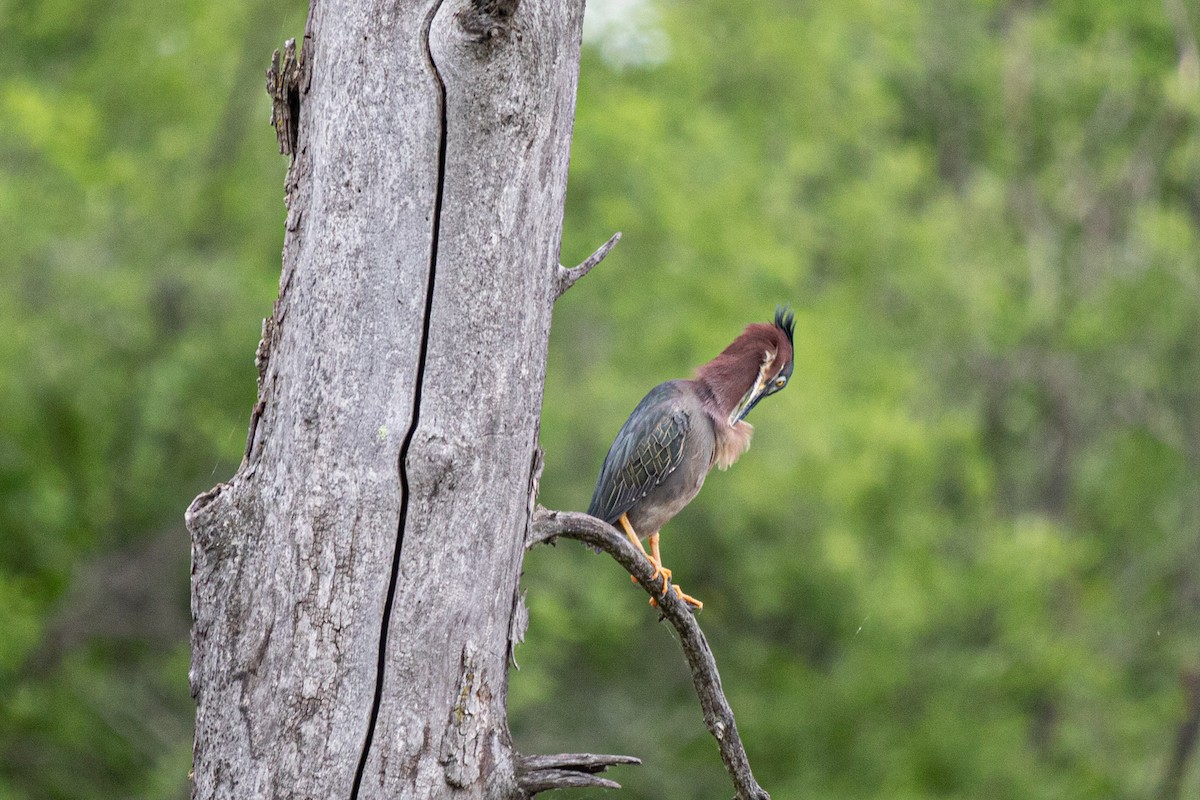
[[962, 558]]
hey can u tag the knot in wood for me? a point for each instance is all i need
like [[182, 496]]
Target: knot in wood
[[434, 462], [212, 521], [484, 20]]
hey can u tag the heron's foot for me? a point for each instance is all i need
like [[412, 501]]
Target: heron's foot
[[695, 604], [659, 572], [691, 601]]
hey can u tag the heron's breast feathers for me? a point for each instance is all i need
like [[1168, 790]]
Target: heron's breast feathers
[[731, 443]]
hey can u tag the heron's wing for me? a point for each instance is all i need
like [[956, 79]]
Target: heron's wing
[[648, 448]]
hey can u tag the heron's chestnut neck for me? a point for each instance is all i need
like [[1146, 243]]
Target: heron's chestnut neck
[[725, 380]]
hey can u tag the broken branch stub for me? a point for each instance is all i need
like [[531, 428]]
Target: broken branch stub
[[566, 278]]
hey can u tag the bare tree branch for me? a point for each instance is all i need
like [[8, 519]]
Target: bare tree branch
[[566, 278], [567, 771], [718, 716]]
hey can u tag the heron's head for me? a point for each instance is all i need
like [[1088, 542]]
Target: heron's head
[[755, 365]]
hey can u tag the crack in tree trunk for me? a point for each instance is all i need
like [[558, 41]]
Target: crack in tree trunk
[[418, 385]]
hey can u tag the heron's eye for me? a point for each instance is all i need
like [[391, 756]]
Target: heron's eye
[[780, 381]]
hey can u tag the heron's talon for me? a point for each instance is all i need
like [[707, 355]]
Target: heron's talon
[[695, 604], [662, 572], [659, 572]]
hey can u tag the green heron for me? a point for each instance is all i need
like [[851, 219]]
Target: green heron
[[682, 428]]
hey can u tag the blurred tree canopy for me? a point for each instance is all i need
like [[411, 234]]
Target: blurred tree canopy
[[962, 558]]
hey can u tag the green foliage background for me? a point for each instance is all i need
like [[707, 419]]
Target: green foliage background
[[962, 559]]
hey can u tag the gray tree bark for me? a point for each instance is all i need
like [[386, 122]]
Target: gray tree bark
[[354, 583]]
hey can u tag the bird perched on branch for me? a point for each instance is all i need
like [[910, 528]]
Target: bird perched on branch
[[683, 428]]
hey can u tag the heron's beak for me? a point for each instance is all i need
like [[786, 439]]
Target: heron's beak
[[757, 392]]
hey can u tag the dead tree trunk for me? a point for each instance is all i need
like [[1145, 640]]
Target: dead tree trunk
[[354, 583]]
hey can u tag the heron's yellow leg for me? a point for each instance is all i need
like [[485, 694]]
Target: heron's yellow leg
[[656, 555], [659, 572]]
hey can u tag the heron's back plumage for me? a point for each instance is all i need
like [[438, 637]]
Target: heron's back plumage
[[658, 460]]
